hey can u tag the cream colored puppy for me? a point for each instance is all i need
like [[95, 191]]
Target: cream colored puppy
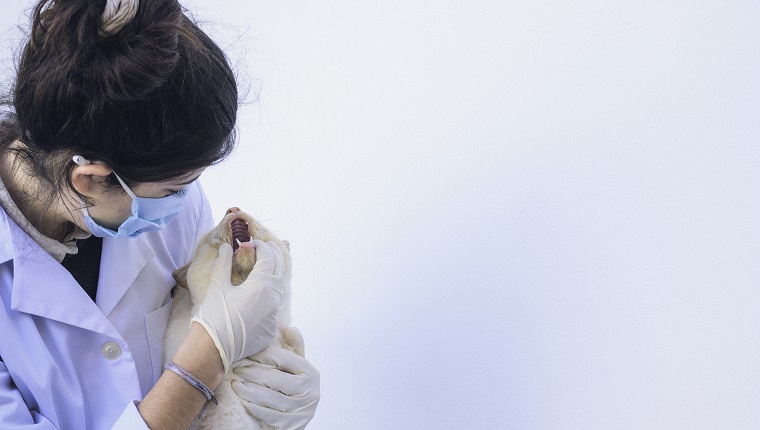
[[236, 228]]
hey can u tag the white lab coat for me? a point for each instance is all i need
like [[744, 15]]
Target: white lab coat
[[69, 362]]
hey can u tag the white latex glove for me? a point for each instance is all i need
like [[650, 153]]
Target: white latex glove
[[243, 320], [281, 388]]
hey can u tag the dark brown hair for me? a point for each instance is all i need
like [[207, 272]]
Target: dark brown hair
[[155, 101]]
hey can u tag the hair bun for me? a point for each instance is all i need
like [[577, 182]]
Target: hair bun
[[106, 51]]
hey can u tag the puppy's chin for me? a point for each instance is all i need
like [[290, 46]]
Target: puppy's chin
[[243, 261]]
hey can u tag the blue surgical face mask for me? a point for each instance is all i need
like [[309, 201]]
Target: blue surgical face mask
[[148, 214]]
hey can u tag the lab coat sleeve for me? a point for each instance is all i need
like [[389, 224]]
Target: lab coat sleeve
[[130, 419], [13, 411]]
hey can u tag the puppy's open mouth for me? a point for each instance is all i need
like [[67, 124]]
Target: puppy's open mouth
[[239, 233]]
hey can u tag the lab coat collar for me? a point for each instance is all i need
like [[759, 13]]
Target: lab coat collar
[[41, 286]]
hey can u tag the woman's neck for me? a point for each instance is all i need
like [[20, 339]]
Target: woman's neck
[[42, 208]]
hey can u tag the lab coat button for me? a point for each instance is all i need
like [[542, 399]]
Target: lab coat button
[[111, 350]]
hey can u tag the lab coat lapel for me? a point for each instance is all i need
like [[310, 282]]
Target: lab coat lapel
[[122, 259], [41, 286]]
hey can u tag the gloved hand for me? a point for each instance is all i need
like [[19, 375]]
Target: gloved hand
[[280, 388], [243, 320]]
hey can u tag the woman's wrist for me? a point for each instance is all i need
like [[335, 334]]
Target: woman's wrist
[[174, 403], [199, 355]]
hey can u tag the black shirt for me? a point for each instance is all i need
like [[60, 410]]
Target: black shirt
[[84, 266]]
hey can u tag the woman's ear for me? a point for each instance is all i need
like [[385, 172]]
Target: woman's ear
[[88, 179]]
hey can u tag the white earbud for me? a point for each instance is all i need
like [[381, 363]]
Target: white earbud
[[80, 160]]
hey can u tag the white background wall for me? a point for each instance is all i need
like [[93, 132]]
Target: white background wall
[[512, 215]]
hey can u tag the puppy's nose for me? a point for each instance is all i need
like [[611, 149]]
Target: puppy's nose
[[233, 210]]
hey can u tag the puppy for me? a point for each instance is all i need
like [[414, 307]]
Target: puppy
[[238, 229]]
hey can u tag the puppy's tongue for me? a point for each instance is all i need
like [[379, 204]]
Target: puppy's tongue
[[239, 232]]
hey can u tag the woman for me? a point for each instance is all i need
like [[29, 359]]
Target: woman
[[117, 109]]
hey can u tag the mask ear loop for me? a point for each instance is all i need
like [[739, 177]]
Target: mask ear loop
[[123, 185], [81, 161]]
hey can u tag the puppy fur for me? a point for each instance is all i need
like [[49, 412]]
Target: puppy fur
[[190, 291]]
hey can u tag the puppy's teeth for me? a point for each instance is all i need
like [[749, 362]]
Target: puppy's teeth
[[238, 242], [251, 239]]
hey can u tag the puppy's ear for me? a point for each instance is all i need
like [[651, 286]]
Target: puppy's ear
[[180, 275]]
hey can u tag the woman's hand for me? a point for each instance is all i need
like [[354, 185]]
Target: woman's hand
[[280, 388], [243, 320]]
